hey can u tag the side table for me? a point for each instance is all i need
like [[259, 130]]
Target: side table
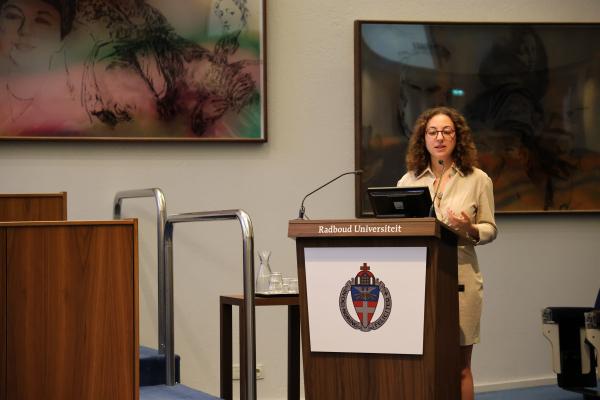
[[226, 303]]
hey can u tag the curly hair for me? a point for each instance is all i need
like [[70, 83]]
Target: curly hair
[[464, 153]]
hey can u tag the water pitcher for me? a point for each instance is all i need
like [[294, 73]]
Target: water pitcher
[[264, 273]]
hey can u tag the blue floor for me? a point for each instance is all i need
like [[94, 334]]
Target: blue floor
[[181, 392], [533, 393], [177, 392]]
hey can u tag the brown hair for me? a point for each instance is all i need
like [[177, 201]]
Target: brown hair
[[464, 153]]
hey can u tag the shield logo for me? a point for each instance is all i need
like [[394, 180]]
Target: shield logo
[[365, 295]]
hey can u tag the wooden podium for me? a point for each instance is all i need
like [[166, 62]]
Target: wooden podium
[[69, 310], [33, 207], [435, 375]]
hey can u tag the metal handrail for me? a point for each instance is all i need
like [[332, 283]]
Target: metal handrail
[[161, 220], [249, 359]]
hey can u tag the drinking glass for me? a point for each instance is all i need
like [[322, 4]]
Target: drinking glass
[[276, 285], [286, 285], [294, 285]]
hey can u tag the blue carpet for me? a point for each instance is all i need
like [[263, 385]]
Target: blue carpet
[[533, 393], [178, 392]]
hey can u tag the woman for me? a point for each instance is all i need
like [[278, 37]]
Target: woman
[[465, 201]]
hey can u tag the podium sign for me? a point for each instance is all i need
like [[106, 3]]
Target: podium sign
[[366, 299], [334, 372]]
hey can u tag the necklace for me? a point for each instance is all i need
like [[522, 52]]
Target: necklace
[[440, 194]]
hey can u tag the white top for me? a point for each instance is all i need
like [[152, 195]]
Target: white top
[[474, 195]]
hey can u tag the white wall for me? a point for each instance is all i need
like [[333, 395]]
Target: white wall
[[537, 261]]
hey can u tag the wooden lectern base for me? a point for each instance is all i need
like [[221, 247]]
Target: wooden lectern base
[[435, 375]]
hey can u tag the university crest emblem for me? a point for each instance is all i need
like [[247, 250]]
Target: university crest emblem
[[365, 291]]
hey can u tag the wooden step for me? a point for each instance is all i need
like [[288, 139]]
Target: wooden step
[[153, 367]]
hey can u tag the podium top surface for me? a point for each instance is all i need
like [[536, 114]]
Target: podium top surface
[[128, 221], [29, 195], [374, 227]]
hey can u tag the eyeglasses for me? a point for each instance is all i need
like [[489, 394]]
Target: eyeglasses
[[446, 133]]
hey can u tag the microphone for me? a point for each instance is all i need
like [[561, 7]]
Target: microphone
[[441, 162], [301, 212]]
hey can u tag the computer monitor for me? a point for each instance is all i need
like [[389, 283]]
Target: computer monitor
[[400, 202]]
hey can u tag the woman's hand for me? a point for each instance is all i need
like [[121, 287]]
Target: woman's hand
[[463, 223]]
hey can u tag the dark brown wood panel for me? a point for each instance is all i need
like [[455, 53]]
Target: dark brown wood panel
[[357, 120], [447, 330], [357, 376], [31, 207], [238, 300], [136, 308], [71, 312], [293, 377], [226, 352], [3, 313]]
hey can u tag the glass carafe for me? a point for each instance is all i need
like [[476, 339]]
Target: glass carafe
[[264, 273]]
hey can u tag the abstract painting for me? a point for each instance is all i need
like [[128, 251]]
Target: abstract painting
[[529, 92], [133, 70]]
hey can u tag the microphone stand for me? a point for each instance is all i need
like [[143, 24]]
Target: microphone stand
[[301, 212]]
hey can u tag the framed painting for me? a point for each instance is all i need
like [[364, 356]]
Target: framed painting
[[530, 93], [153, 70]]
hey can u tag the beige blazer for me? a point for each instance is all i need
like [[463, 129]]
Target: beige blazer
[[474, 195]]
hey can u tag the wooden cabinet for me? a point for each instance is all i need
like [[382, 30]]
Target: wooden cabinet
[[33, 207], [71, 315]]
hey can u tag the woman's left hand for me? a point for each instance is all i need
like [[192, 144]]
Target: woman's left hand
[[463, 223]]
